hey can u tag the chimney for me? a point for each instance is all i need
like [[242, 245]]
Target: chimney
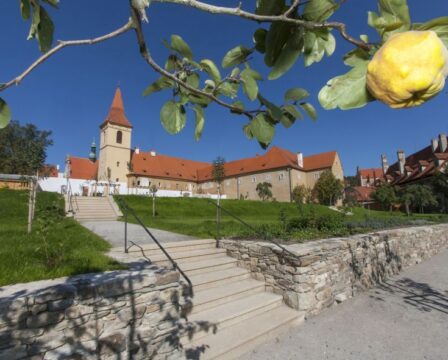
[[434, 145], [300, 159], [384, 163], [137, 151], [442, 143], [401, 161], [153, 153]]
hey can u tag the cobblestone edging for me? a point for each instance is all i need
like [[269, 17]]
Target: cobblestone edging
[[329, 271], [113, 315]]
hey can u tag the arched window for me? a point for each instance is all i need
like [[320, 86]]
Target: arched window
[[119, 137]]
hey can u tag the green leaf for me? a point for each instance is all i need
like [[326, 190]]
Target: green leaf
[[248, 132], [236, 56], [319, 10], [250, 85], [290, 115], [260, 40], [53, 3], [255, 74], [348, 91], [310, 110], [158, 85], [356, 56], [178, 44], [193, 80], [296, 94], [229, 89], [173, 117], [34, 22], [273, 109], [330, 45], [288, 56], [200, 121], [262, 129], [269, 7], [5, 114], [393, 17], [199, 99], [210, 68], [45, 31], [25, 9], [276, 39], [438, 25], [171, 63]]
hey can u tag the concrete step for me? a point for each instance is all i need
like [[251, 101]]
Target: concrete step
[[231, 313], [216, 278], [184, 256], [91, 217], [187, 245], [233, 341], [222, 294], [208, 265]]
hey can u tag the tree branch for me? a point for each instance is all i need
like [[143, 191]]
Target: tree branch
[[62, 44], [293, 7], [151, 62], [237, 11]]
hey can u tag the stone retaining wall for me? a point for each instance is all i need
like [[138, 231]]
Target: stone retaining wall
[[329, 271], [113, 315]]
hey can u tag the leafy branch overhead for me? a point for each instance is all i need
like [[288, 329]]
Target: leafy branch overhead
[[286, 32]]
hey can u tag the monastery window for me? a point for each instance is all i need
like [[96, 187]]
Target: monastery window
[[119, 137], [254, 179], [239, 181], [118, 164], [281, 176], [316, 176], [117, 180], [138, 183], [268, 177]]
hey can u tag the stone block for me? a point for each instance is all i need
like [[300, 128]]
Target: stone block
[[44, 319]]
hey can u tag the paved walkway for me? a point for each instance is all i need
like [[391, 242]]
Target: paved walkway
[[113, 232], [404, 319]]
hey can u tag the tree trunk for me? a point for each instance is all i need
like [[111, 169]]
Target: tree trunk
[[406, 205], [30, 207], [154, 205]]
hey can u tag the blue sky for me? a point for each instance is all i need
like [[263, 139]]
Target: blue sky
[[71, 93]]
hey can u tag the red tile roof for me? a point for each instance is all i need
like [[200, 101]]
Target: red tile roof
[[419, 165], [116, 114], [82, 168], [49, 171], [361, 193], [373, 173], [163, 166]]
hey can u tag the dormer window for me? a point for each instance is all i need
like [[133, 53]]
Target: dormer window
[[119, 137]]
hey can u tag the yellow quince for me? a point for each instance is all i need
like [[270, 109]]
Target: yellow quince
[[409, 69]]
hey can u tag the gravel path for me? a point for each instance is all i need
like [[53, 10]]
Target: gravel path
[[406, 318], [113, 232]]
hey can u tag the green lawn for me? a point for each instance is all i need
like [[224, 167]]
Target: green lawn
[[196, 217], [58, 246]]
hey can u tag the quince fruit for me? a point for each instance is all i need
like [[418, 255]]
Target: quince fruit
[[409, 69]]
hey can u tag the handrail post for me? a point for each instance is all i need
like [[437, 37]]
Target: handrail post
[[218, 222], [125, 229]]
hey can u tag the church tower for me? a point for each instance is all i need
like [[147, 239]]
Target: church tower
[[115, 143]]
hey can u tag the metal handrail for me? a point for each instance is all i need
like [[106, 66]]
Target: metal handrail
[[256, 231], [70, 199], [128, 209]]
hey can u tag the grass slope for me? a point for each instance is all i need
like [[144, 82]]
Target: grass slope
[[196, 217], [57, 247]]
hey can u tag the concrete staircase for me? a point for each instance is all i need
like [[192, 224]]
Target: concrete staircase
[[94, 208], [231, 313]]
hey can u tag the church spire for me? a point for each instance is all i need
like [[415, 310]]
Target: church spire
[[116, 114], [92, 155]]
